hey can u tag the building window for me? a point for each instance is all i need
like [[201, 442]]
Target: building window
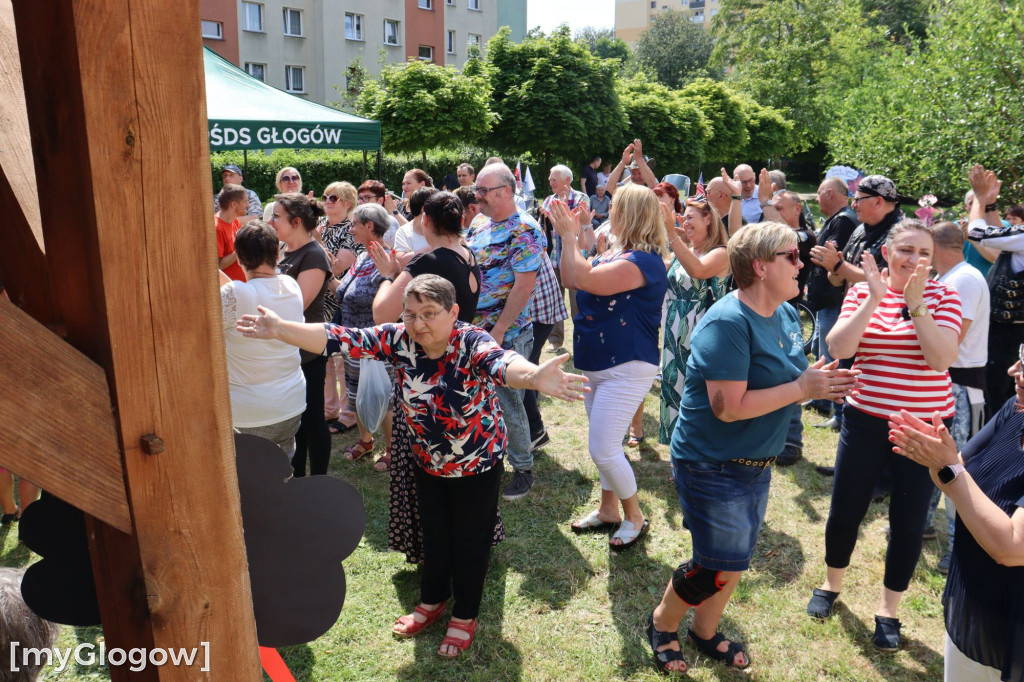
[[426, 4], [354, 27], [295, 78], [213, 29], [450, 43], [474, 4], [473, 39], [450, 2], [293, 22], [654, 4], [426, 52], [390, 32], [252, 16], [257, 71], [698, 18]]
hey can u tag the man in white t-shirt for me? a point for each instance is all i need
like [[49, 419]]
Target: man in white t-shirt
[[968, 372]]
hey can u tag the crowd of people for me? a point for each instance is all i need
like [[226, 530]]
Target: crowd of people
[[456, 292]]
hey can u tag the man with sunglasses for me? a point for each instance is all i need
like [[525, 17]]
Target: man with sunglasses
[[876, 203], [510, 249]]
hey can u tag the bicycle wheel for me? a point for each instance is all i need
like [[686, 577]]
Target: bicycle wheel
[[808, 324]]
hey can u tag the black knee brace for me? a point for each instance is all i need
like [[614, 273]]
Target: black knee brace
[[694, 583]]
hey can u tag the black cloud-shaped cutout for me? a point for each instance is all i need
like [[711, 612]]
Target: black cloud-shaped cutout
[[297, 532]]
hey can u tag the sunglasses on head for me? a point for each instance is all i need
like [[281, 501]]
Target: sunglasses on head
[[290, 178], [330, 198], [794, 255], [698, 202]]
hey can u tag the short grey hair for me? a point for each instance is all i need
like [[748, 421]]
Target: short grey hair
[[373, 214], [499, 170], [778, 178], [562, 171], [431, 288]]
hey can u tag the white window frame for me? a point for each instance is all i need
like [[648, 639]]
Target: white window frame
[[426, 4], [474, 5], [357, 25], [398, 32], [474, 39], [285, 13], [420, 55], [245, 17], [249, 70], [289, 70], [450, 3], [218, 25], [449, 41]]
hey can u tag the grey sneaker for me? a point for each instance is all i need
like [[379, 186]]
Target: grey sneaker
[[519, 486], [943, 565]]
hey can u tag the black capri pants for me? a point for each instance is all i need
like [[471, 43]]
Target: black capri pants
[[864, 453]]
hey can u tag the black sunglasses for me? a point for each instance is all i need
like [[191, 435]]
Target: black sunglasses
[[290, 178]]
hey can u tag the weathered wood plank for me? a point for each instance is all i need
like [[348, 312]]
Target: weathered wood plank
[[22, 262], [44, 381], [140, 297]]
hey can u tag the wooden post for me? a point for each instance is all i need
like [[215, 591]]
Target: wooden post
[[116, 101]]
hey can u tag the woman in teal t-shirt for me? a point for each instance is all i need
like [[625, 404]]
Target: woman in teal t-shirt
[[745, 375]]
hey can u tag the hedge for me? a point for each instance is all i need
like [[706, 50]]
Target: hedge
[[320, 167]]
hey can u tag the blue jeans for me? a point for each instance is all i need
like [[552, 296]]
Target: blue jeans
[[723, 506], [827, 318], [795, 434], [514, 411]]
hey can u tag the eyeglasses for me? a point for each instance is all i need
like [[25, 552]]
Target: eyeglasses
[[429, 316], [856, 199], [794, 255], [748, 181], [368, 197], [482, 191], [330, 198], [290, 178]]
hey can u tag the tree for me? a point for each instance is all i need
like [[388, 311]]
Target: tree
[[553, 97], [927, 116], [902, 20], [603, 44], [672, 129], [423, 106], [676, 49], [724, 113], [769, 133]]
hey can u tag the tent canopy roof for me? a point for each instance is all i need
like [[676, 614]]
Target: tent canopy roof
[[246, 113]]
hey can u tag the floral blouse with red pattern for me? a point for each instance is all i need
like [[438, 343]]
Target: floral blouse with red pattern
[[450, 406]]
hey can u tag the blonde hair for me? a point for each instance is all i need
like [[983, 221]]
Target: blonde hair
[[757, 241], [277, 180], [717, 236], [346, 192], [637, 212]]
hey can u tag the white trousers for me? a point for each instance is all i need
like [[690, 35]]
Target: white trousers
[[959, 668], [615, 393]]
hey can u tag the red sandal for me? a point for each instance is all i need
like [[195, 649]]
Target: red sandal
[[461, 644], [412, 627], [358, 449]]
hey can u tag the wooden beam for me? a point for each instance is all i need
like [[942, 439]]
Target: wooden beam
[[138, 291], [22, 261], [47, 384]]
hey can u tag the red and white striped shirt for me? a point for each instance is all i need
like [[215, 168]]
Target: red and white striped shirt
[[894, 374]]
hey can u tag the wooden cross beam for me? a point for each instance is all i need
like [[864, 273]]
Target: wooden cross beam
[[115, 102]]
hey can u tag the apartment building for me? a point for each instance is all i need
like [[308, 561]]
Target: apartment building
[[306, 46], [633, 17]]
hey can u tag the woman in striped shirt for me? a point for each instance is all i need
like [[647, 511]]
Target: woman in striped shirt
[[904, 331]]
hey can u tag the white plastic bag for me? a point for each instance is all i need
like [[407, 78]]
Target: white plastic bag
[[373, 393]]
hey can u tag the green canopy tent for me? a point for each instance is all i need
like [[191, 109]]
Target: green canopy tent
[[246, 113]]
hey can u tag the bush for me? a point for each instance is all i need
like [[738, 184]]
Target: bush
[[320, 167]]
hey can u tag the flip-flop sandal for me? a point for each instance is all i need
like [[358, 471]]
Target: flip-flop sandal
[[358, 449], [629, 534], [384, 463], [591, 523], [336, 427], [634, 441]]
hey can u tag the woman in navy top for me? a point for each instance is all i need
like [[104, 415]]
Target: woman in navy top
[[619, 295], [984, 598]]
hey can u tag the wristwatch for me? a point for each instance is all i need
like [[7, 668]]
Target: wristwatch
[[839, 263], [948, 473], [737, 197], [919, 311], [394, 213]]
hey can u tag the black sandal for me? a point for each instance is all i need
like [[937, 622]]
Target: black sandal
[[887, 634], [822, 604], [709, 647], [657, 638]]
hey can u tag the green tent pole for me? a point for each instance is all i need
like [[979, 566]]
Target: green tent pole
[[245, 162], [364, 165]]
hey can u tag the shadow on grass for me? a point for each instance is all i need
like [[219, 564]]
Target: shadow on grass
[[18, 556], [778, 558], [300, 660], [887, 663]]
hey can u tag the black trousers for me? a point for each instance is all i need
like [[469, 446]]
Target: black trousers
[[313, 435], [458, 517], [541, 332], [864, 453], [1003, 344]]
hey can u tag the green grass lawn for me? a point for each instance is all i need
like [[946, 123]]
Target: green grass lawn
[[563, 607]]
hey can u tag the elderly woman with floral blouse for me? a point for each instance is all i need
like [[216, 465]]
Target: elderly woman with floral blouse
[[447, 371]]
